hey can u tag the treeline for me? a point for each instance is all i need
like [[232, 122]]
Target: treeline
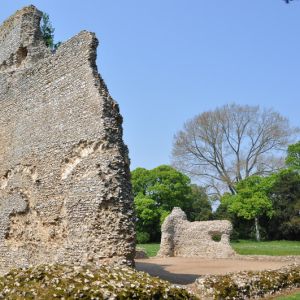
[[237, 154], [263, 207], [273, 203]]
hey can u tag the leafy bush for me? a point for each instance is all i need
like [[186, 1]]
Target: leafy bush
[[142, 237], [248, 285], [66, 282]]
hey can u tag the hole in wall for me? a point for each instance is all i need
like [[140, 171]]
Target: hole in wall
[[21, 55], [216, 236]]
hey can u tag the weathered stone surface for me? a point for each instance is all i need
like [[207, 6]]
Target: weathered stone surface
[[183, 238], [65, 193]]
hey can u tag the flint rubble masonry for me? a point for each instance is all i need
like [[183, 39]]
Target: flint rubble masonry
[[187, 239], [65, 193]]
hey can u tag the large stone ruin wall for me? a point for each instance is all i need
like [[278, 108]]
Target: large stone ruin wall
[[188, 239], [65, 193]]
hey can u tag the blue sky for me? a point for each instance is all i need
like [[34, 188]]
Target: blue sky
[[165, 61]]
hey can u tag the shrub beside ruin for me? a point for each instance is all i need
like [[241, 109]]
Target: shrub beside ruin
[[66, 282], [249, 284]]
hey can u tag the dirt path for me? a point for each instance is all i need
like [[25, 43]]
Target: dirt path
[[183, 270]]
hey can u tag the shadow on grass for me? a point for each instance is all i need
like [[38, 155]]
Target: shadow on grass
[[159, 271]]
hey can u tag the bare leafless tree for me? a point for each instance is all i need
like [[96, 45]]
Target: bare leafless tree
[[224, 146]]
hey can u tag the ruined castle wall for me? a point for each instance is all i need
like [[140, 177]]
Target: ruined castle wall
[[65, 194], [188, 239], [20, 37]]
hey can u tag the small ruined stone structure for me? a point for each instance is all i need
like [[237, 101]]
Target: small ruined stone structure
[[183, 238], [65, 193]]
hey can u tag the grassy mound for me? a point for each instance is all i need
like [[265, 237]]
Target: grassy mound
[[248, 285], [66, 282]]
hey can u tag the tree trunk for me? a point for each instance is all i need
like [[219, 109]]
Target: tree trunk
[[232, 189], [257, 230]]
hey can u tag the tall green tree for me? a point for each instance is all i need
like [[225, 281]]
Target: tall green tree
[[282, 189], [164, 184], [148, 219], [251, 200], [293, 156], [285, 196], [157, 191], [198, 208], [242, 228]]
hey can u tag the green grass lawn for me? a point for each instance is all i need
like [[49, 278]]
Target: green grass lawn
[[275, 248], [289, 297], [151, 249], [248, 248]]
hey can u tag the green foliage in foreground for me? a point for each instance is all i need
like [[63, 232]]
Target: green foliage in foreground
[[275, 248], [66, 282], [248, 284], [244, 247]]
